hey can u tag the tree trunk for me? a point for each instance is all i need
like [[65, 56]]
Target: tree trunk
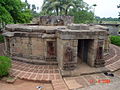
[[57, 11], [60, 11], [66, 12]]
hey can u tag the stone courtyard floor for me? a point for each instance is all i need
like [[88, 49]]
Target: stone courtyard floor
[[44, 73], [24, 85], [51, 74]]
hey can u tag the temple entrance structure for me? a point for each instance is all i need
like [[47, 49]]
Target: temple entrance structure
[[56, 40], [84, 46]]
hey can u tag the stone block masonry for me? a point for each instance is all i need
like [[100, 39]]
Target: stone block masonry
[[53, 41]]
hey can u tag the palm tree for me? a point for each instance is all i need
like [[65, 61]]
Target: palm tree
[[62, 6], [94, 5], [57, 5], [51, 5]]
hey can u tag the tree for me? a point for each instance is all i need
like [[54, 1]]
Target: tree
[[77, 8], [5, 16], [51, 6], [94, 5], [82, 16], [14, 11], [57, 6], [119, 12]]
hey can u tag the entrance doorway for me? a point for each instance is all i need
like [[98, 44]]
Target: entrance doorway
[[83, 50]]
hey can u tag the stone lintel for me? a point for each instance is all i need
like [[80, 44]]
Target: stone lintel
[[81, 35], [37, 35]]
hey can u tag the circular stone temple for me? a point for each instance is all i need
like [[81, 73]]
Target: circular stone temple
[[56, 40]]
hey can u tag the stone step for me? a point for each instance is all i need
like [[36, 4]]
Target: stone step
[[59, 85], [37, 62], [41, 73]]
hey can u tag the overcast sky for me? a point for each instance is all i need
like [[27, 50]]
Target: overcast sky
[[104, 8]]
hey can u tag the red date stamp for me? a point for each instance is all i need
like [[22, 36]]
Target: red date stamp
[[100, 81]]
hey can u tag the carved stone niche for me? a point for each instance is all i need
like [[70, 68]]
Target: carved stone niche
[[68, 62], [51, 50]]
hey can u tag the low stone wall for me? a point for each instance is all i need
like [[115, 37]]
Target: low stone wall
[[31, 47], [54, 20], [114, 29]]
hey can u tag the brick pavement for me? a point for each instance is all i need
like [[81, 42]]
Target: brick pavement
[[41, 73], [59, 85], [74, 83], [113, 60]]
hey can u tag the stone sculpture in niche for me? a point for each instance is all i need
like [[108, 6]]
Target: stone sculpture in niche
[[68, 54], [51, 49], [68, 58], [100, 50]]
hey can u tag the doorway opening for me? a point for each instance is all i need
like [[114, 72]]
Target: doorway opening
[[83, 50]]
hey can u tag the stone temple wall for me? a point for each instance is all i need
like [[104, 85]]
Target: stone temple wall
[[34, 49], [56, 44], [28, 47]]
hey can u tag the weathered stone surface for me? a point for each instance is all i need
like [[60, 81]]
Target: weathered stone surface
[[67, 45], [54, 20], [78, 27]]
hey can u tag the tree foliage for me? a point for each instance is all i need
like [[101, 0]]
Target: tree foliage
[[115, 40], [5, 15], [77, 8], [5, 65], [82, 16], [107, 20], [14, 11], [118, 6]]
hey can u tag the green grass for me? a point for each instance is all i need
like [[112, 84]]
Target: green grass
[[5, 64], [115, 40]]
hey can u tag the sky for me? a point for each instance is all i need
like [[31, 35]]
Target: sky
[[104, 8]]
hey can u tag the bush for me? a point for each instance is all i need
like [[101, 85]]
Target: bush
[[5, 64], [1, 39], [115, 40]]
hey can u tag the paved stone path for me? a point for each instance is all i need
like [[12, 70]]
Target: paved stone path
[[113, 60], [41, 73], [35, 72], [113, 85], [89, 80], [59, 85]]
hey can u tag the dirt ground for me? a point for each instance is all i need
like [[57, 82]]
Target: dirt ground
[[24, 85]]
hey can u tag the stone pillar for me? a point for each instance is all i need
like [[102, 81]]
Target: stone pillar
[[106, 45], [67, 54], [7, 43], [70, 55], [99, 62]]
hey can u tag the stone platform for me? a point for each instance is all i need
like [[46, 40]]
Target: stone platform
[[45, 73], [51, 73], [113, 59], [112, 64]]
